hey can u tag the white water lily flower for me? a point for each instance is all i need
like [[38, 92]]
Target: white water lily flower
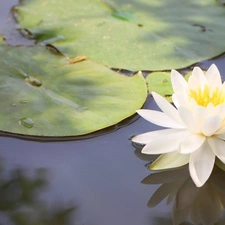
[[196, 131]]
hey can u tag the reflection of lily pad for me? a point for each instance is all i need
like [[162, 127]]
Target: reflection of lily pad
[[45, 94], [135, 35]]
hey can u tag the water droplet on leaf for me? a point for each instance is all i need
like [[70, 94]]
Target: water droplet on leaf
[[23, 101], [26, 122], [33, 81]]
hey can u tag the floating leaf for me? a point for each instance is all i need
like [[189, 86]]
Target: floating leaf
[[160, 82], [46, 94], [135, 35]]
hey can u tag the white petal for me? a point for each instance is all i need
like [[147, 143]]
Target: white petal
[[218, 147], [159, 118], [211, 125], [170, 160], [192, 104], [197, 79], [213, 77], [178, 82], [201, 164], [200, 113], [219, 110], [210, 107], [149, 136], [191, 143], [189, 120], [175, 101], [165, 144], [199, 74], [166, 107], [180, 99], [221, 131]]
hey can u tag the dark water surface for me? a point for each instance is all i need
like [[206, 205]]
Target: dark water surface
[[89, 182]]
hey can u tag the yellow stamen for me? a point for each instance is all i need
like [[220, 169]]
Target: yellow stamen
[[204, 96]]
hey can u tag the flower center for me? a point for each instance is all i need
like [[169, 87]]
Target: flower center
[[204, 96]]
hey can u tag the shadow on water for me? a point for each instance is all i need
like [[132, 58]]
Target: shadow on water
[[21, 201], [204, 205]]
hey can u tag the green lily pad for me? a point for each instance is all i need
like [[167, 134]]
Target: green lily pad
[[45, 94], [160, 83], [134, 35]]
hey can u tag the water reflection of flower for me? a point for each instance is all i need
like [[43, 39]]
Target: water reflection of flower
[[196, 131], [203, 205]]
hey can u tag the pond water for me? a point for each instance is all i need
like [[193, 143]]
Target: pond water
[[95, 181]]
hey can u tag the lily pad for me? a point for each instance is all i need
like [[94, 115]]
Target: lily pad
[[160, 82], [134, 35], [45, 94]]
